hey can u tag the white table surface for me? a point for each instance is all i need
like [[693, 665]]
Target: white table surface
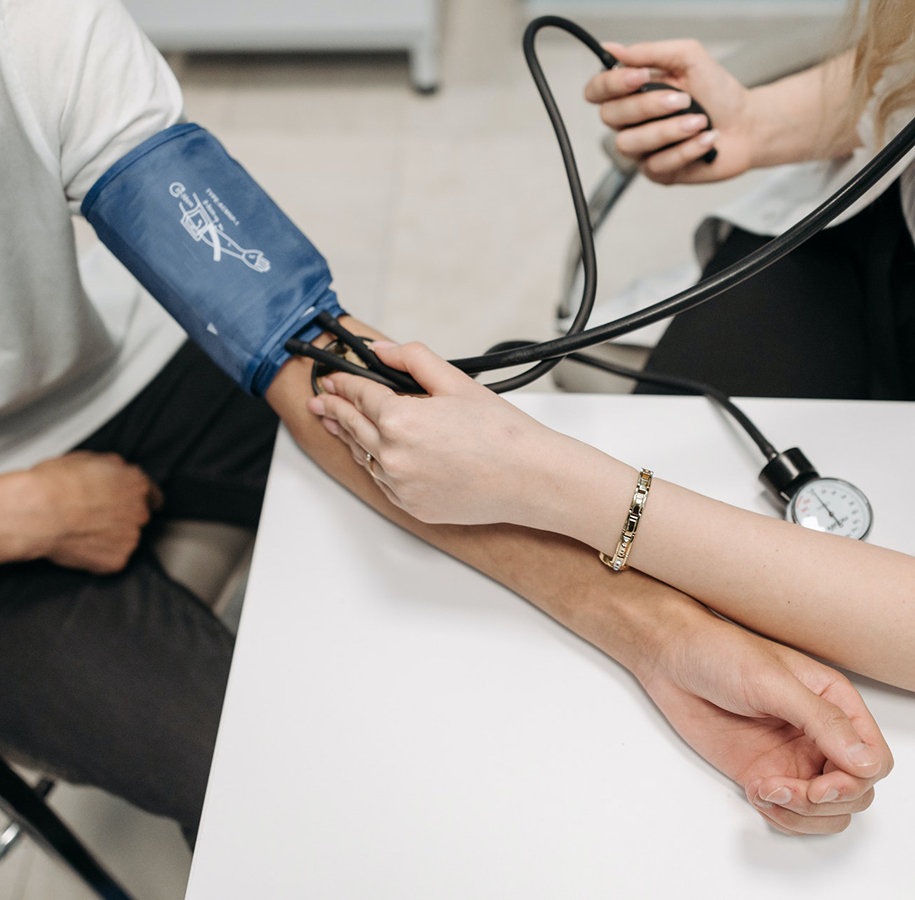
[[398, 726]]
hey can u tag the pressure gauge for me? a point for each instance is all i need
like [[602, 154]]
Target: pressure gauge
[[831, 505], [822, 504]]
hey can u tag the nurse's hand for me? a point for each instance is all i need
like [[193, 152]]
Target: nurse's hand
[[793, 733], [461, 455], [687, 66]]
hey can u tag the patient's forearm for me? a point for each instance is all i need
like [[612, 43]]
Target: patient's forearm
[[562, 577]]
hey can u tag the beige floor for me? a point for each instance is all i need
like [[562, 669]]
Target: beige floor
[[445, 218]]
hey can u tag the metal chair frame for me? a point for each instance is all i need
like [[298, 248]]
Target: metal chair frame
[[26, 806]]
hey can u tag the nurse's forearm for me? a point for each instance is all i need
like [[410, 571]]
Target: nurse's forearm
[[841, 599], [844, 600]]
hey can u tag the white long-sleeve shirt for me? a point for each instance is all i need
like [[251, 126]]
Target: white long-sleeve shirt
[[793, 191], [80, 86]]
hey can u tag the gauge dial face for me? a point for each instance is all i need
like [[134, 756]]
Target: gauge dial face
[[833, 506]]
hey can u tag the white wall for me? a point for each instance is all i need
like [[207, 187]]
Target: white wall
[[634, 20]]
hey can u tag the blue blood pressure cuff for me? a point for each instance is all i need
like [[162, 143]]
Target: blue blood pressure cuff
[[207, 242]]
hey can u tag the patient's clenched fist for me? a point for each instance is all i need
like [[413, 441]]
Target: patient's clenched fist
[[85, 510]]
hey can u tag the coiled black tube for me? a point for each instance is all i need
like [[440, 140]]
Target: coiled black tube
[[547, 354]]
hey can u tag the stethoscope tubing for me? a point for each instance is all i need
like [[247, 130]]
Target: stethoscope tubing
[[580, 338], [546, 354]]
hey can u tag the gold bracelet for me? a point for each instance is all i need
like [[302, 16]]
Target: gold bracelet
[[619, 561]]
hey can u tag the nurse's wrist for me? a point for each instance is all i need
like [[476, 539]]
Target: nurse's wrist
[[803, 117], [586, 496], [775, 138]]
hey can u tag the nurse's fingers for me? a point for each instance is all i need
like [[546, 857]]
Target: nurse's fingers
[[368, 397], [362, 457], [666, 165], [672, 58], [339, 415], [436, 375], [612, 84], [643, 140], [637, 108]]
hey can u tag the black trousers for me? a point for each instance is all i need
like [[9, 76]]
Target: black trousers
[[833, 319], [117, 680]]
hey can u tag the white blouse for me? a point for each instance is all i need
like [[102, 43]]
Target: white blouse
[[793, 191]]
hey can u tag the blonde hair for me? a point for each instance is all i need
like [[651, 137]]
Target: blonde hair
[[886, 38]]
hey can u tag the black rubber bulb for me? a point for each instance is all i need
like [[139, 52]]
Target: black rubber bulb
[[693, 107]]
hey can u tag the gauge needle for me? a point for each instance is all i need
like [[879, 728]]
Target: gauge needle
[[831, 513]]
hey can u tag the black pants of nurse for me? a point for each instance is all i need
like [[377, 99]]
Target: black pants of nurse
[[117, 681], [835, 319]]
